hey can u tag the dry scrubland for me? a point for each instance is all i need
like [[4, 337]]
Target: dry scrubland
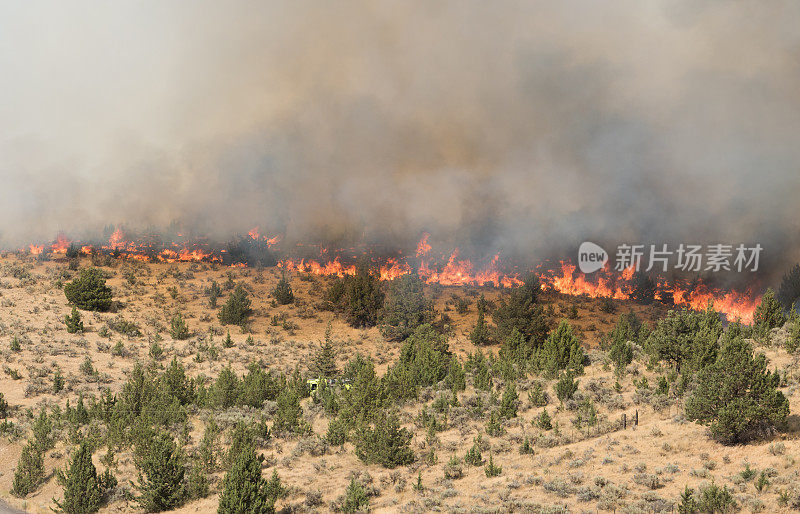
[[640, 469]]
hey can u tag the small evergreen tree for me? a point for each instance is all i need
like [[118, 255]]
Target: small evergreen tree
[[387, 443], [456, 379], [73, 321], [356, 498], [323, 364], [283, 293], [521, 312], [737, 396], [509, 402], [688, 504], [643, 288], [83, 491], [405, 308], [562, 350], [566, 386], [481, 335], [789, 292], [769, 313], [245, 491], [161, 474], [363, 297], [236, 310], [29, 472], [178, 329], [89, 291]]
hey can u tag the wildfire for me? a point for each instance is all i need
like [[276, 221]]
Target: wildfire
[[448, 269], [735, 305]]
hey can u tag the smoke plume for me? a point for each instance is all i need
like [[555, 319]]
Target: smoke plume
[[519, 126]]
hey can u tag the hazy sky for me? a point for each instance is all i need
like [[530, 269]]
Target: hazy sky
[[520, 126]]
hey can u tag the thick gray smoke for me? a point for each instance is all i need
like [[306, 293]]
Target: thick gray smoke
[[524, 127]]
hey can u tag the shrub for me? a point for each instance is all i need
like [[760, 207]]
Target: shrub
[[521, 312], [473, 456], [566, 387], [387, 443], [481, 335], [643, 288], [789, 292], [737, 396], [58, 381], [89, 291], [362, 297], [178, 329], [323, 364], [405, 308], [15, 345], [73, 321], [769, 313], [161, 474], [491, 469], [283, 293], [29, 472], [687, 338], [84, 490], [715, 499], [355, 498], [244, 490], [562, 350], [509, 402], [236, 310], [454, 469]]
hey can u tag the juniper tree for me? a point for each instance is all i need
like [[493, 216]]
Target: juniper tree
[[687, 338], [162, 469], [178, 329], [737, 396], [355, 498], [643, 288], [562, 350], [363, 297], [521, 312], [509, 402], [73, 321], [83, 488], [29, 472], [323, 363], [789, 292], [245, 490], [481, 334], [405, 308], [283, 293], [769, 313], [236, 310], [386, 443], [89, 291]]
